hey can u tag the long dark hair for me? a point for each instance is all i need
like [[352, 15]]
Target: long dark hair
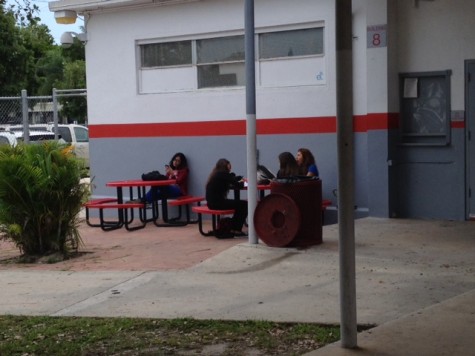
[[183, 164], [308, 159], [221, 166], [288, 165]]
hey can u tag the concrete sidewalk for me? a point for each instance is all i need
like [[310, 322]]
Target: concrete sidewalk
[[442, 329], [415, 280]]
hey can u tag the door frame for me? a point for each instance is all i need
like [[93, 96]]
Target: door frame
[[469, 127]]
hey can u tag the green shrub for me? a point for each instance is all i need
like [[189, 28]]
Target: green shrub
[[40, 198]]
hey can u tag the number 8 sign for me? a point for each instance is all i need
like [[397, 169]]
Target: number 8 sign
[[376, 36]]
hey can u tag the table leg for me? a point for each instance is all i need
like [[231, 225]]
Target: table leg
[[237, 194], [166, 221], [120, 200]]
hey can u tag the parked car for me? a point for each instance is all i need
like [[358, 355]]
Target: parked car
[[76, 135], [8, 138], [36, 135]]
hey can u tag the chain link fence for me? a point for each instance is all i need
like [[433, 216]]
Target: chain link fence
[[51, 110]]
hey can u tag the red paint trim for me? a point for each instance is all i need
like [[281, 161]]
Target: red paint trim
[[379, 121], [296, 125], [457, 124], [283, 126]]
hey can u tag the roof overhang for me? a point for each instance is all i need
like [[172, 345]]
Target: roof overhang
[[82, 6]]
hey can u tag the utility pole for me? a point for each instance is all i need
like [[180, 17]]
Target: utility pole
[[250, 117], [345, 142]]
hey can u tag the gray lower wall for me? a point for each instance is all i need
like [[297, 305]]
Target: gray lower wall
[[117, 159], [390, 180]]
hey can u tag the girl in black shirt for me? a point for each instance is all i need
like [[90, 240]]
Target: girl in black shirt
[[220, 181]]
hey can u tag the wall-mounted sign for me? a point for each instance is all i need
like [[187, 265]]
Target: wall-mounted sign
[[376, 36]]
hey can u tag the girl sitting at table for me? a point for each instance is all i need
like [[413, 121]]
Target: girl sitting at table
[[220, 181], [288, 166], [177, 169], [306, 162]]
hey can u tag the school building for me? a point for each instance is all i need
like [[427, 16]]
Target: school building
[[166, 76]]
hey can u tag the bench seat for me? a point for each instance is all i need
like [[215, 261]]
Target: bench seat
[[101, 201], [215, 215], [93, 202], [187, 201], [125, 214]]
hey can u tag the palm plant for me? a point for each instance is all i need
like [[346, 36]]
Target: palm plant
[[40, 198]]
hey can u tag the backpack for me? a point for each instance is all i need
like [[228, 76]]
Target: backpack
[[264, 176], [153, 175], [223, 230]]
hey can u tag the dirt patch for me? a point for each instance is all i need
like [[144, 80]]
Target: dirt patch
[[148, 249]]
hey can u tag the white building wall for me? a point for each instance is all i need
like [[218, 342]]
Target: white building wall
[[435, 36], [113, 74], [421, 36]]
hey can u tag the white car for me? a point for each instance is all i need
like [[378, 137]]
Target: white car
[[35, 135], [76, 135], [8, 138]]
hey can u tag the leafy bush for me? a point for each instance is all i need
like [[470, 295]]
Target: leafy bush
[[40, 198]]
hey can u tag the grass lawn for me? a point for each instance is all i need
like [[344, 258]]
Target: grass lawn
[[42, 335]]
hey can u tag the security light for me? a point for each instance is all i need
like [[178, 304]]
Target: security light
[[67, 38], [65, 17]]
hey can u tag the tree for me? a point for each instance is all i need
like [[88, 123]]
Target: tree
[[74, 77], [22, 44], [13, 56], [38, 41], [30, 60], [49, 71], [23, 11]]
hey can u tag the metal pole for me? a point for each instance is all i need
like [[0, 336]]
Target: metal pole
[[346, 221], [24, 113], [250, 116], [55, 113]]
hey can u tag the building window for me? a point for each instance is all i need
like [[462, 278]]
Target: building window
[[220, 62], [292, 43], [165, 54], [285, 58], [425, 108]]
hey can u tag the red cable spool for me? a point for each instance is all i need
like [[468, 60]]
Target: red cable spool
[[277, 220]]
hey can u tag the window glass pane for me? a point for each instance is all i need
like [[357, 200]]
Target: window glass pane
[[425, 110], [82, 135], [221, 75], [165, 54], [291, 43], [224, 49], [65, 134]]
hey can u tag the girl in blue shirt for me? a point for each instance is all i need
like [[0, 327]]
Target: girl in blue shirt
[[306, 162]]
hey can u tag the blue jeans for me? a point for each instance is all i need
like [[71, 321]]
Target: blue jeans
[[171, 191]]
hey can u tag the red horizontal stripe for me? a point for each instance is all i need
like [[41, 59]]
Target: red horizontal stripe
[[371, 122], [457, 124], [296, 125], [317, 125]]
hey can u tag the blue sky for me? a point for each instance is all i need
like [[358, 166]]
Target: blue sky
[[47, 18]]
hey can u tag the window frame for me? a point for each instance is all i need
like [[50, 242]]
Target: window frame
[[410, 98], [195, 65], [260, 43], [140, 54], [219, 63]]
